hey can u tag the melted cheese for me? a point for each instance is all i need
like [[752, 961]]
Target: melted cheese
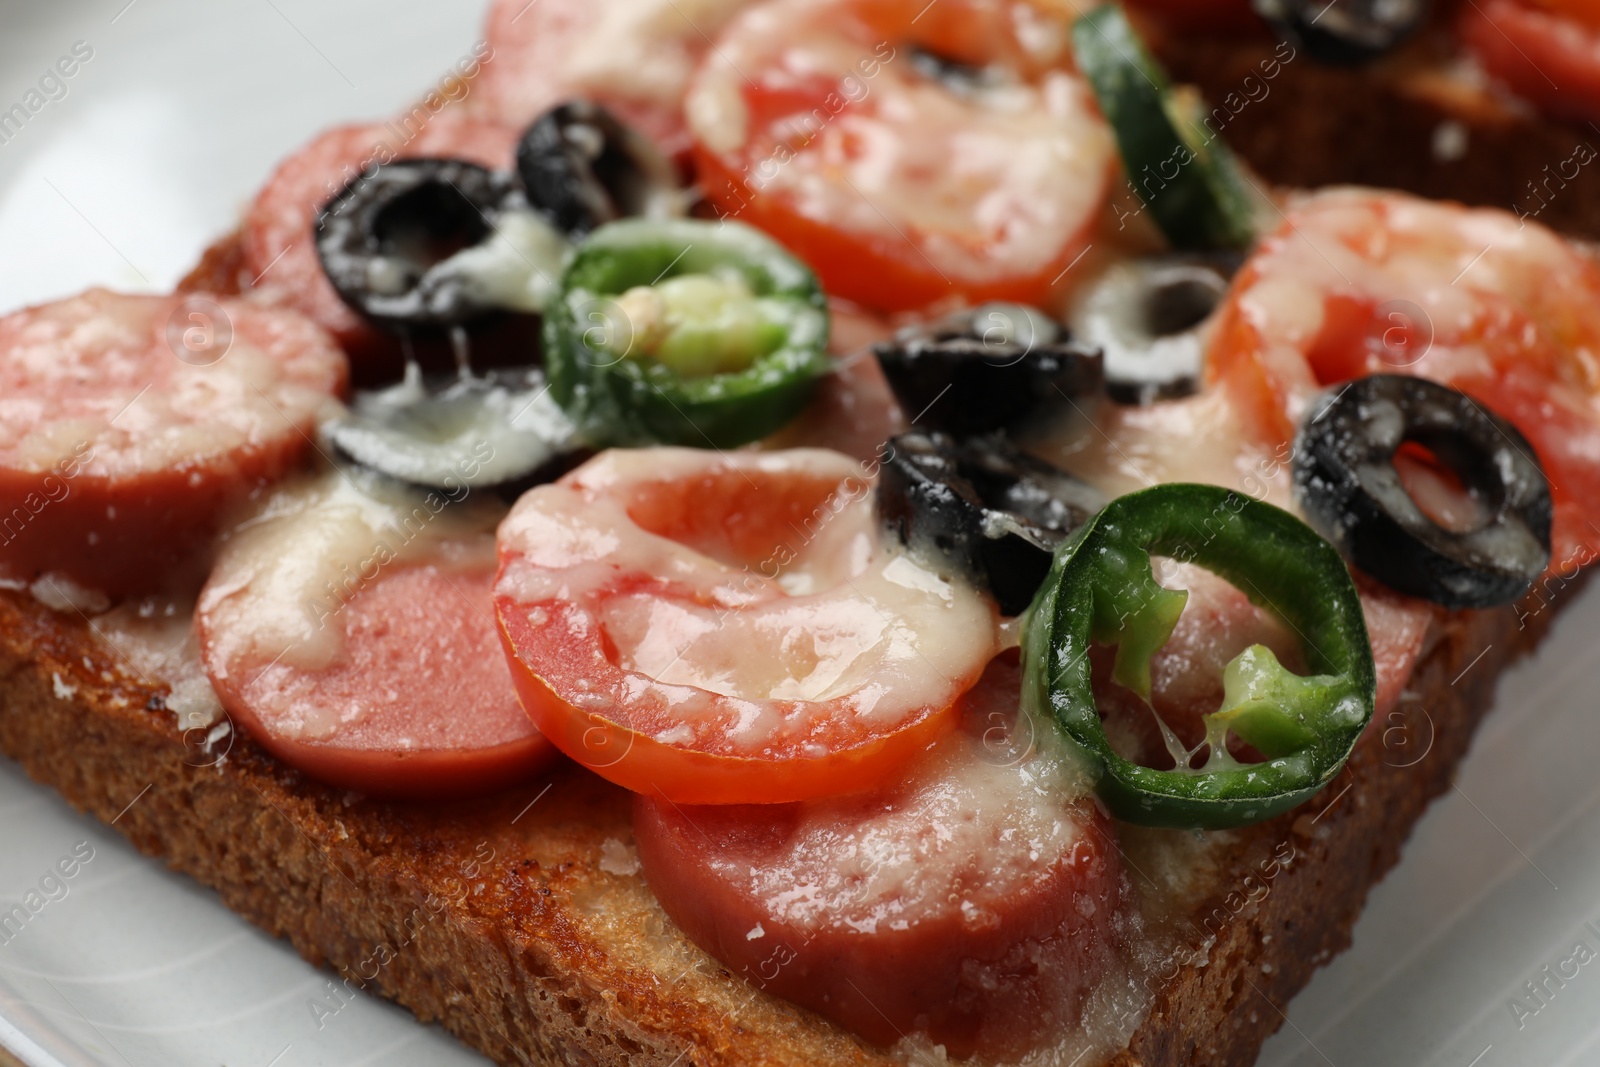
[[832, 615], [1004, 176], [646, 49], [284, 573], [1119, 449], [517, 268], [117, 386], [156, 638], [963, 823]]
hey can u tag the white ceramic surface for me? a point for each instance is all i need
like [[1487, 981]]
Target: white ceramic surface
[[159, 139]]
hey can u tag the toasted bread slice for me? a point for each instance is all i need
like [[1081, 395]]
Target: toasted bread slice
[[1417, 120], [519, 920]]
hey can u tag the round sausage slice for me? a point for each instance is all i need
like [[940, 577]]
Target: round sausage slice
[[853, 411], [1218, 623], [978, 901], [278, 247], [351, 632], [129, 424]]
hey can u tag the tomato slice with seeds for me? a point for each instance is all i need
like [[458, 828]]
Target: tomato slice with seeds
[[1360, 282], [730, 628], [908, 152]]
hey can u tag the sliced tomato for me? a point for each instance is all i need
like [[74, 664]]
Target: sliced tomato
[[729, 628], [1360, 282], [977, 899], [633, 56], [353, 637], [1583, 12], [826, 124], [1547, 53]]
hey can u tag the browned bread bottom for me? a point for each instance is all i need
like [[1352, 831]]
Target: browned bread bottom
[[516, 920], [1409, 122]]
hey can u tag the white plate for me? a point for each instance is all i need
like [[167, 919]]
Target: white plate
[[159, 140]]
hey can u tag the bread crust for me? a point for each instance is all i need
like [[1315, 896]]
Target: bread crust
[[514, 919], [1342, 843], [1412, 121]]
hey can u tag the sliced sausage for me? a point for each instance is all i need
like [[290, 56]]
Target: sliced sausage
[[279, 253], [1397, 628], [1217, 624], [351, 632], [130, 424], [978, 901], [853, 410]]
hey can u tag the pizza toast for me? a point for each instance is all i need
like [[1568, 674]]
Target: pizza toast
[[626, 616]]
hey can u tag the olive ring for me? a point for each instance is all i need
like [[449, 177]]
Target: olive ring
[[1349, 34], [1346, 481], [1150, 316], [984, 509], [583, 167], [985, 369], [381, 236]]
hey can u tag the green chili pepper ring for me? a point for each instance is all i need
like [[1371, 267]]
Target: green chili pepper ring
[[1101, 589], [621, 400], [1184, 173]]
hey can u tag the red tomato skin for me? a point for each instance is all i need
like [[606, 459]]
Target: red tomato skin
[[904, 248], [1232, 363], [733, 521], [1550, 60], [889, 276], [643, 765], [1529, 381]]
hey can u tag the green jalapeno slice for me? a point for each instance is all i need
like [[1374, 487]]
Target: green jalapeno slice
[[684, 332], [1183, 171], [1102, 590]]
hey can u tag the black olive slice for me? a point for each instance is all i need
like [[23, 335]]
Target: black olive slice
[[1346, 482], [985, 369], [435, 243], [990, 512], [1147, 318], [502, 431], [583, 167], [1346, 33]]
